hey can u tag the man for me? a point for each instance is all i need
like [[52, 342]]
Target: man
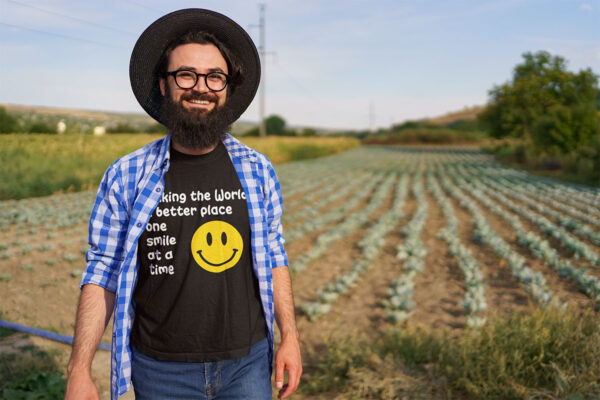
[[185, 233]]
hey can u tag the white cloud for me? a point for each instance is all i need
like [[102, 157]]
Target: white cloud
[[585, 7]]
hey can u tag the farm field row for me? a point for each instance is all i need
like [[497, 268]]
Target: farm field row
[[379, 238]]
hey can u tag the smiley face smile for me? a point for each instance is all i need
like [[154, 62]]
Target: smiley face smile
[[216, 246], [216, 265]]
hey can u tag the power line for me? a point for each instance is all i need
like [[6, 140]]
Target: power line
[[144, 6], [295, 81], [73, 18], [62, 36], [263, 55]]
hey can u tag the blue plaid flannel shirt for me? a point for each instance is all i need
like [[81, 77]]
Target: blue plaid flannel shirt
[[128, 194]]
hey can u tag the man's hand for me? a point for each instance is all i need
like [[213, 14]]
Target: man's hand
[[93, 312], [288, 358], [81, 387]]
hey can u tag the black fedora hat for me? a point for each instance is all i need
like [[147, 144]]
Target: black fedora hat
[[157, 37]]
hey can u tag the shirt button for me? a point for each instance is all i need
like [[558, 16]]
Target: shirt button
[[158, 189], [139, 224]]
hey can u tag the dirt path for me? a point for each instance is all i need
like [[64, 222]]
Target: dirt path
[[337, 260], [43, 288], [440, 287], [359, 309], [504, 293]]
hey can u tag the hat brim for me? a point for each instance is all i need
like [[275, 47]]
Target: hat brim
[[157, 37]]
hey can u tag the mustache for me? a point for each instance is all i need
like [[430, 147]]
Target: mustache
[[199, 96]]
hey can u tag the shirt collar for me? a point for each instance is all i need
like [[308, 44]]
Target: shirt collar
[[235, 148]]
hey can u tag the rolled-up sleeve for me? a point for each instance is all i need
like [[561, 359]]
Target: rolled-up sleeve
[[274, 210], [107, 233]]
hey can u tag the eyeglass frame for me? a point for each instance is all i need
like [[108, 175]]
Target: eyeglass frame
[[174, 75]]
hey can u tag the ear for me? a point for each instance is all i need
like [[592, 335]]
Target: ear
[[161, 84]]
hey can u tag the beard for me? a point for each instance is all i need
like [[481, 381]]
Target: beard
[[195, 129]]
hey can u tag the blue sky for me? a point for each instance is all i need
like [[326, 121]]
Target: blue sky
[[409, 59]]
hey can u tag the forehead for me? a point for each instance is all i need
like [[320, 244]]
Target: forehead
[[197, 56]]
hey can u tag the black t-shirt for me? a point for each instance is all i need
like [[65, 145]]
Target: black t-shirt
[[197, 298]]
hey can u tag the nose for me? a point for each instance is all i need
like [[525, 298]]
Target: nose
[[200, 85]]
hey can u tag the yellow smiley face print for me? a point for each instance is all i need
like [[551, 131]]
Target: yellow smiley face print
[[217, 246]]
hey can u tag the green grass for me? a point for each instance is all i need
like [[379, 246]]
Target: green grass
[[284, 148], [31, 374], [542, 355], [579, 167], [4, 332], [39, 165]]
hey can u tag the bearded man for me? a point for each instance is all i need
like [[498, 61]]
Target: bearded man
[[185, 234]]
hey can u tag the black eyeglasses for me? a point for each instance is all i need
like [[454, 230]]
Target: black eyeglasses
[[187, 79]]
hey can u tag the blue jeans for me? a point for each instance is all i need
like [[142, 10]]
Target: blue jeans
[[239, 378]]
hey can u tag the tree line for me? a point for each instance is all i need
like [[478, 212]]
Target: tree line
[[544, 103], [9, 123], [37, 123], [547, 118]]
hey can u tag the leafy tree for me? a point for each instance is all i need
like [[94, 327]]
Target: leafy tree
[[41, 127], [542, 90], [8, 122], [275, 125], [564, 129]]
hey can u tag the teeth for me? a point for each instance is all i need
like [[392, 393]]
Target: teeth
[[199, 101]]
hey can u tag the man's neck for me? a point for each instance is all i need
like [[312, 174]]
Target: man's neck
[[192, 151]]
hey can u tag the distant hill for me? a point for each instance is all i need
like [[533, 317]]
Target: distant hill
[[78, 120], [466, 114], [70, 112]]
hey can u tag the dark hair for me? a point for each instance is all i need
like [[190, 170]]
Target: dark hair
[[236, 69]]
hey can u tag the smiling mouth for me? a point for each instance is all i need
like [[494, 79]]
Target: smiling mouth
[[199, 102], [216, 265]]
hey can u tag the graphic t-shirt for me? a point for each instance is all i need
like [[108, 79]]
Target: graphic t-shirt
[[197, 298]]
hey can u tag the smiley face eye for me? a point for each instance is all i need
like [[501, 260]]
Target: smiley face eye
[[209, 238], [224, 238]]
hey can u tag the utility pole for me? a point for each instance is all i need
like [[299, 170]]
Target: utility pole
[[263, 64]]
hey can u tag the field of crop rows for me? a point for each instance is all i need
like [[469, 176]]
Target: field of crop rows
[[376, 237]]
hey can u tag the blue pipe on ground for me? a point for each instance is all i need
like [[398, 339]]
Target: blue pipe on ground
[[45, 334]]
